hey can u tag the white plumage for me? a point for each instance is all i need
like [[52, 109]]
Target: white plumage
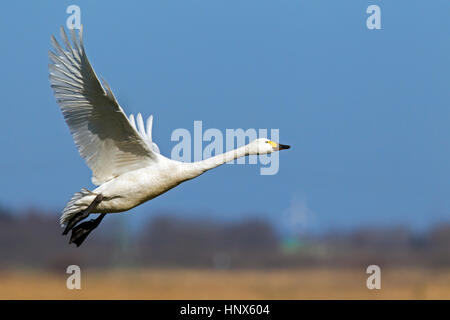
[[126, 164]]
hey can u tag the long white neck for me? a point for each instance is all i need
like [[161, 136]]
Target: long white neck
[[220, 159], [195, 169]]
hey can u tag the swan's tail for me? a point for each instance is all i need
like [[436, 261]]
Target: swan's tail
[[79, 202]]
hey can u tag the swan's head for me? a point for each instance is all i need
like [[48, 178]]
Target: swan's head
[[264, 146]]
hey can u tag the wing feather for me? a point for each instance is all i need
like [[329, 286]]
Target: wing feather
[[146, 134], [105, 138]]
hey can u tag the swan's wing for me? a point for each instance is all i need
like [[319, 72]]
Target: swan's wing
[[145, 133], [101, 130]]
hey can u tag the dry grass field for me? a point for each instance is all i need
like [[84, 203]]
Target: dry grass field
[[209, 284]]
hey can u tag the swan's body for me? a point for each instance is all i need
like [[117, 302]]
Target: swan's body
[[126, 163], [137, 186]]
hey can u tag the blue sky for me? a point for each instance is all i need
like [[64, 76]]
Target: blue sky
[[366, 111]]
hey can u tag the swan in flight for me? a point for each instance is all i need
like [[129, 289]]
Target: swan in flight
[[126, 164]]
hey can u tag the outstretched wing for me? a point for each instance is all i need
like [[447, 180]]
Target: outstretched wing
[[104, 136]]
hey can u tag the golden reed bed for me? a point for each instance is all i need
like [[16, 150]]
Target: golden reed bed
[[210, 284]]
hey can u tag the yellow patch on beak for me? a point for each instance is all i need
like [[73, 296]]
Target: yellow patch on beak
[[273, 144]]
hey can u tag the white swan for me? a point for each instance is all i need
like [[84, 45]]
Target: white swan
[[126, 164]]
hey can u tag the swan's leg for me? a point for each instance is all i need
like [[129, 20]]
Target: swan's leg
[[81, 231], [82, 214]]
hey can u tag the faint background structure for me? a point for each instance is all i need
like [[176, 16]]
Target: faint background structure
[[176, 257], [366, 182]]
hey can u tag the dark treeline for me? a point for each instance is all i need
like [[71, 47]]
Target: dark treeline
[[33, 240]]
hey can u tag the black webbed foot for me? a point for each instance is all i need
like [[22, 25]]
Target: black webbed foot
[[81, 231]]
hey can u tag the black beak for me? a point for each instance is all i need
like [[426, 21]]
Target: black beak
[[283, 146]]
